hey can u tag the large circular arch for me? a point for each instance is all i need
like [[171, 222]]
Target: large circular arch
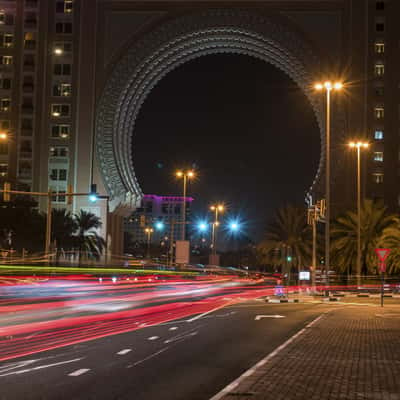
[[176, 42]]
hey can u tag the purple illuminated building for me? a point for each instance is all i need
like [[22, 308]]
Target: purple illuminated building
[[161, 213]]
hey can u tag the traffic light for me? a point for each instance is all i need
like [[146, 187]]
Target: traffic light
[[6, 194], [289, 258], [69, 195], [93, 193]]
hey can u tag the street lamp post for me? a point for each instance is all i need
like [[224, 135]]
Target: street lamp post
[[358, 146], [328, 87], [148, 231], [216, 208], [185, 175]]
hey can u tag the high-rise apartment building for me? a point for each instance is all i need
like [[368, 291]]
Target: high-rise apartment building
[[74, 74], [161, 213]]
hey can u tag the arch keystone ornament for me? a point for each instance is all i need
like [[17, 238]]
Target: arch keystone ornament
[[173, 43]]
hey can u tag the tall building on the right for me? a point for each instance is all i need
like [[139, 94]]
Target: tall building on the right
[[382, 86]]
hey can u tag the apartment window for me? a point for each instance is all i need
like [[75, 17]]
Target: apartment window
[[380, 5], [6, 19], [5, 104], [6, 60], [25, 170], [62, 48], [29, 61], [177, 210], [3, 169], [62, 69], [58, 174], [25, 149], [60, 196], [5, 125], [379, 26], [64, 6], [379, 112], [63, 27], [5, 83], [379, 90], [379, 68], [3, 148], [378, 135], [26, 127], [378, 156], [28, 83], [62, 89], [27, 105], [29, 40], [379, 47], [60, 110], [6, 40], [59, 151], [377, 177], [60, 131], [30, 19]]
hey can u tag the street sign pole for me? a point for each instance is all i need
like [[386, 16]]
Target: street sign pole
[[382, 255]]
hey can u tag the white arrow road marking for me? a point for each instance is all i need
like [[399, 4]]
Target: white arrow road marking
[[123, 352], [79, 372], [258, 317], [23, 371]]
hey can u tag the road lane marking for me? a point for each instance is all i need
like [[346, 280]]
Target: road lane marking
[[153, 338], [148, 357], [123, 352], [173, 328], [79, 372], [23, 371], [226, 390], [258, 317], [181, 336], [207, 312]]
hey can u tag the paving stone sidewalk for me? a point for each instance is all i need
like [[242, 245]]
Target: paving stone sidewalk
[[350, 353]]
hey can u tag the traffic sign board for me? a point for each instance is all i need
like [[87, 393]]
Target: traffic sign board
[[382, 254]]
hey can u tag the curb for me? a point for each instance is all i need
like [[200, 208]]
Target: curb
[[281, 300]]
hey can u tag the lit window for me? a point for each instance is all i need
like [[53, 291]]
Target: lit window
[[379, 68], [59, 151], [60, 131], [5, 104], [62, 89], [68, 6], [29, 40], [6, 60], [6, 40], [378, 135], [380, 47], [378, 156], [379, 112], [2, 18], [60, 110], [62, 48], [377, 177], [3, 169]]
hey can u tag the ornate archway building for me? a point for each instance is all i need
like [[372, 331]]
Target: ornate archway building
[[89, 65]]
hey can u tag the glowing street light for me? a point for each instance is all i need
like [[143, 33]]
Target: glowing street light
[[328, 86], [185, 175], [216, 208], [3, 136], [358, 145], [159, 225], [202, 226]]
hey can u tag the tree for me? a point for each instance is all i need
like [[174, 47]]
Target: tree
[[63, 227], [287, 238], [86, 237], [377, 225]]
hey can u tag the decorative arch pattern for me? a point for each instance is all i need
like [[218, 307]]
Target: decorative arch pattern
[[174, 43]]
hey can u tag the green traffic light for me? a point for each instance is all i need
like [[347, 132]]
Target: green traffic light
[[289, 258]]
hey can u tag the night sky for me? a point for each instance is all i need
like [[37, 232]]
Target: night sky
[[244, 125]]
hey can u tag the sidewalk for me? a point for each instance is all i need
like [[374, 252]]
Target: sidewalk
[[349, 353]]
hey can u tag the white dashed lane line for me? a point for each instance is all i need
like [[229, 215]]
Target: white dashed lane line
[[123, 352], [153, 338], [173, 328], [79, 372]]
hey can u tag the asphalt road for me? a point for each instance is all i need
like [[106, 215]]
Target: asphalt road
[[191, 358]]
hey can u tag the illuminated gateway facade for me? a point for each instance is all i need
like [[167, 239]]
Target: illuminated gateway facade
[[74, 74]]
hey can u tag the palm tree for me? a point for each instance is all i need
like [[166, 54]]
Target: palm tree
[[87, 238], [376, 223], [63, 227], [391, 240], [287, 237]]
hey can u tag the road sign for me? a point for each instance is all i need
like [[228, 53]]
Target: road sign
[[382, 254]]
